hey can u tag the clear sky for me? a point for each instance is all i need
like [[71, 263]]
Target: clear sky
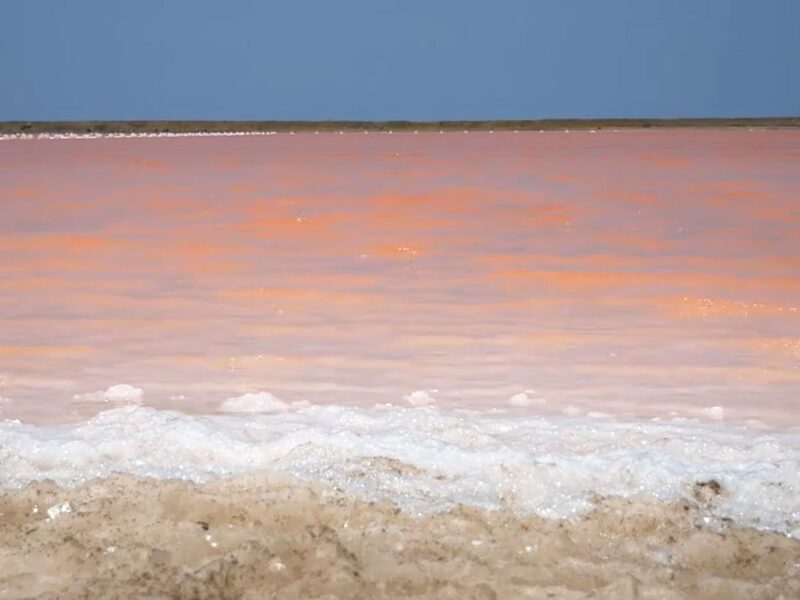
[[398, 59]]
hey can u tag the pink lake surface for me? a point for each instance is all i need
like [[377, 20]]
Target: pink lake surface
[[639, 273]]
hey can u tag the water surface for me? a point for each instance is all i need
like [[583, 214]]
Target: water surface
[[637, 273]]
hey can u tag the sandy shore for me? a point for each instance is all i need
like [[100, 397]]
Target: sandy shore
[[259, 538]]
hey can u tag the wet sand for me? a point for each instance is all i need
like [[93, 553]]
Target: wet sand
[[261, 537]]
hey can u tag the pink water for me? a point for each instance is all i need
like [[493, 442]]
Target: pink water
[[639, 273]]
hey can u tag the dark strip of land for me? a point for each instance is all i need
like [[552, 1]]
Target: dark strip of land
[[133, 127]]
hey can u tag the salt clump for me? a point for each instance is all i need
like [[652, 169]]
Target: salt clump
[[523, 399], [715, 412], [58, 510], [121, 392], [420, 398], [258, 402]]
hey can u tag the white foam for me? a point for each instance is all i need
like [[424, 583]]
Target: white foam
[[425, 458], [420, 398], [526, 398], [257, 402], [121, 393], [714, 412]]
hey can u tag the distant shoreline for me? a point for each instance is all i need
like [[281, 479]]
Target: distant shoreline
[[10, 128]]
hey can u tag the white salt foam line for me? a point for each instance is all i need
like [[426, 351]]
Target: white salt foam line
[[424, 458]]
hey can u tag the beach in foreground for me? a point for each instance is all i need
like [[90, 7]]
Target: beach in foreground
[[255, 537], [337, 502]]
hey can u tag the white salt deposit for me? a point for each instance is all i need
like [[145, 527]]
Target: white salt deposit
[[714, 412], [420, 398], [258, 402], [123, 392], [526, 398], [90, 136], [120, 393], [425, 458], [59, 509]]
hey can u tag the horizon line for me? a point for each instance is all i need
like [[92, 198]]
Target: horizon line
[[33, 127]]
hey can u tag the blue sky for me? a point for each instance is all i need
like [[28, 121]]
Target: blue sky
[[401, 59]]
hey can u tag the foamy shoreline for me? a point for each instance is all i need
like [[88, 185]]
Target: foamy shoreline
[[298, 501], [427, 459]]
